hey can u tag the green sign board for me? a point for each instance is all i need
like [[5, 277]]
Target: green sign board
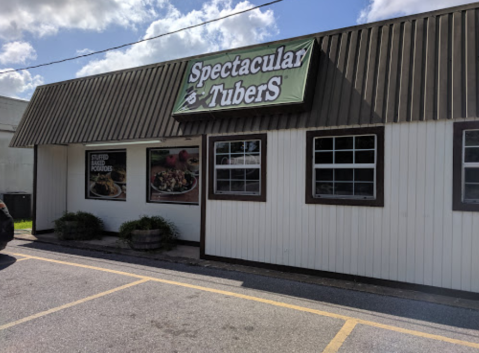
[[269, 75]]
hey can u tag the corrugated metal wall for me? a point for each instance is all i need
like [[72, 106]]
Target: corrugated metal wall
[[52, 164], [415, 237], [423, 67]]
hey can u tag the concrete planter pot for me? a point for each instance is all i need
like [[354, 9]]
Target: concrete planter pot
[[146, 239]]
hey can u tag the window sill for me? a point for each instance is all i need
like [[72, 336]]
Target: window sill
[[344, 201], [232, 197]]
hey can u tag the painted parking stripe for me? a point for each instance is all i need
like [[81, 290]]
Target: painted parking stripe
[[69, 305], [271, 302], [25, 258], [340, 337]]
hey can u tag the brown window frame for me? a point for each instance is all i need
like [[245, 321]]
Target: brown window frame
[[379, 200], [457, 176], [211, 168]]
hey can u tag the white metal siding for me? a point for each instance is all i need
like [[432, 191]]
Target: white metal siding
[[51, 185], [415, 237], [114, 213], [16, 164]]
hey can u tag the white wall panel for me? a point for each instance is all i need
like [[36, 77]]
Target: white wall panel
[[51, 185], [415, 237], [114, 213]]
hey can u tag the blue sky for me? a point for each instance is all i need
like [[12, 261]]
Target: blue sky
[[39, 31]]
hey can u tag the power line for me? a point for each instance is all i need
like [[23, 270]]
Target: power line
[[140, 41]]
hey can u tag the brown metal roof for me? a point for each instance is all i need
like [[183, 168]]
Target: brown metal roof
[[421, 67]]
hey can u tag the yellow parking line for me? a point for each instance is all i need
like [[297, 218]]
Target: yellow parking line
[[25, 258], [69, 305], [340, 337], [419, 334], [80, 265], [272, 302]]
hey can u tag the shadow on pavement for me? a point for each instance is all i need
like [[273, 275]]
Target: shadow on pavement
[[6, 260], [334, 297]]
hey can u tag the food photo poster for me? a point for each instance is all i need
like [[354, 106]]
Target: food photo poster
[[106, 175], [174, 175]]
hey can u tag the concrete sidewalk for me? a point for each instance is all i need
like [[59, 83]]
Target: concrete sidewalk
[[190, 255]]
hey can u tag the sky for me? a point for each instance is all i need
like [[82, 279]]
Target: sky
[[34, 32]]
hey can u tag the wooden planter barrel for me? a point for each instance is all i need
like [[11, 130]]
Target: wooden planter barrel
[[146, 239]]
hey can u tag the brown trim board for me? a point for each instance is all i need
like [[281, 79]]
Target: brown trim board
[[204, 146], [264, 168], [457, 204], [35, 176], [379, 201], [351, 278]]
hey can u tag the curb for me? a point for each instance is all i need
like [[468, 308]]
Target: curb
[[322, 281]]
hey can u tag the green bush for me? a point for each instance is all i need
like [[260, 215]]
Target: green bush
[[85, 227], [169, 230]]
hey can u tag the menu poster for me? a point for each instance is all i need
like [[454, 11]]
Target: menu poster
[[106, 175], [174, 175]]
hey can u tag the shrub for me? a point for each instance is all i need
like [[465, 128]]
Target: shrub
[[169, 230], [78, 226]]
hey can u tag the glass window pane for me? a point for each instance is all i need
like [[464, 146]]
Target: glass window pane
[[324, 188], [252, 186], [222, 174], [344, 143], [472, 175], [324, 175], [252, 174], [364, 142], [222, 147], [252, 159], [472, 138], [237, 147], [471, 192], [364, 189], [252, 146], [223, 186], [344, 157], [323, 144], [237, 159], [323, 158], [343, 174], [222, 160], [364, 174], [237, 185], [365, 157], [343, 189], [471, 155], [238, 174]]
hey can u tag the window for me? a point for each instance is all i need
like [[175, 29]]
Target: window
[[466, 167], [345, 167], [238, 168], [106, 175]]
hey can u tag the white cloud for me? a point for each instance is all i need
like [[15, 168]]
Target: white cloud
[[13, 84], [383, 9], [84, 51], [17, 53], [245, 29], [47, 17]]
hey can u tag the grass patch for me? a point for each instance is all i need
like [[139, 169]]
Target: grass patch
[[23, 224]]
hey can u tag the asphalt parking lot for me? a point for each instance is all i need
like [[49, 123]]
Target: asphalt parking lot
[[55, 299]]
